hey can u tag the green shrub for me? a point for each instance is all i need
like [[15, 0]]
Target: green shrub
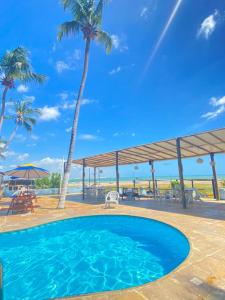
[[52, 181]]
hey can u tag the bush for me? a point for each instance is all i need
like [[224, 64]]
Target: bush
[[174, 184], [52, 181]]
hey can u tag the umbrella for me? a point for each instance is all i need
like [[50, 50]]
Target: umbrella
[[28, 171]]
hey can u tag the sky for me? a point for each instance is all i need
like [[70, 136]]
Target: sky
[[165, 77]]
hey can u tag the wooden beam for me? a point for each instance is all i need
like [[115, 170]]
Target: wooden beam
[[181, 176], [211, 144], [117, 172], [196, 146], [155, 153], [83, 180], [216, 137], [135, 154], [182, 148], [215, 183], [162, 152]]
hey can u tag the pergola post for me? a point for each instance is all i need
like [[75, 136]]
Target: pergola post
[[95, 176], [151, 163], [83, 180], [117, 172], [215, 183], [181, 176]]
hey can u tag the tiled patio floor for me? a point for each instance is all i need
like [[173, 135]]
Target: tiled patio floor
[[201, 276]]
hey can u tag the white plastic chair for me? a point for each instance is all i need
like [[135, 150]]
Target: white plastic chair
[[111, 197]]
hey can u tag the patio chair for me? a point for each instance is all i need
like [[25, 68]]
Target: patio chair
[[135, 193], [111, 197], [124, 193], [158, 195], [21, 204]]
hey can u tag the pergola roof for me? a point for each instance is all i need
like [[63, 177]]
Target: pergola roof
[[191, 146]]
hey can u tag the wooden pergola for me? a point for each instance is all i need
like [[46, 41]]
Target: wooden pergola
[[204, 143]]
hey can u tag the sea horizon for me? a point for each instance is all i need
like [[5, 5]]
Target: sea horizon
[[146, 178]]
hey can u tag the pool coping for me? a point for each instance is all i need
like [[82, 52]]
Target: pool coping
[[202, 273]]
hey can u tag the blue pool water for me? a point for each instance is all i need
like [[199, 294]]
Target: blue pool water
[[86, 255]]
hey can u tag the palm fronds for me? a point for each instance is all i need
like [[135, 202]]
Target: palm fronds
[[68, 28], [105, 39], [15, 65], [87, 17]]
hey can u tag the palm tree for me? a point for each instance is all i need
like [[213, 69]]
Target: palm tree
[[15, 65], [87, 18], [25, 116]]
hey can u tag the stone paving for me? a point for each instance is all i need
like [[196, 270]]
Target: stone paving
[[201, 276]]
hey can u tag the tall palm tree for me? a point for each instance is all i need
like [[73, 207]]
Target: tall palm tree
[[15, 65], [87, 19], [25, 116]]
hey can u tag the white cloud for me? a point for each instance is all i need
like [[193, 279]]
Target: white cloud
[[64, 95], [208, 25], [22, 88], [88, 137], [61, 66], [68, 129], [217, 103], [29, 98], [9, 153], [22, 157], [76, 54], [49, 113], [119, 43], [115, 41], [115, 70], [144, 12], [20, 137], [34, 137], [32, 145], [51, 164], [214, 114], [70, 62], [84, 101]]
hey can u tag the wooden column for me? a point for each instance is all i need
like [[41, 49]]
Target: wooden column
[[95, 176], [192, 183], [117, 172], [151, 163], [83, 180], [181, 176], [215, 183]]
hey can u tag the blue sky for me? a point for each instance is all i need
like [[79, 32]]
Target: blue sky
[[139, 93]]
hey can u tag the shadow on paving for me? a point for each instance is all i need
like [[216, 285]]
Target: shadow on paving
[[204, 209]]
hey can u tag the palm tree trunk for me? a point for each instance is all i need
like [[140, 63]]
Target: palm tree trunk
[[74, 128], [11, 137], [3, 107]]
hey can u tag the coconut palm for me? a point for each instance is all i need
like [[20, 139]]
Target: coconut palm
[[25, 116], [15, 65], [87, 19]]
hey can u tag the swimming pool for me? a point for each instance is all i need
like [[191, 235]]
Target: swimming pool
[[88, 254]]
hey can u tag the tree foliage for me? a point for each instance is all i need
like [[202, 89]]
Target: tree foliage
[[52, 181], [87, 18]]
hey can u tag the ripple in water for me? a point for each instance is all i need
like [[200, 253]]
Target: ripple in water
[[86, 255]]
